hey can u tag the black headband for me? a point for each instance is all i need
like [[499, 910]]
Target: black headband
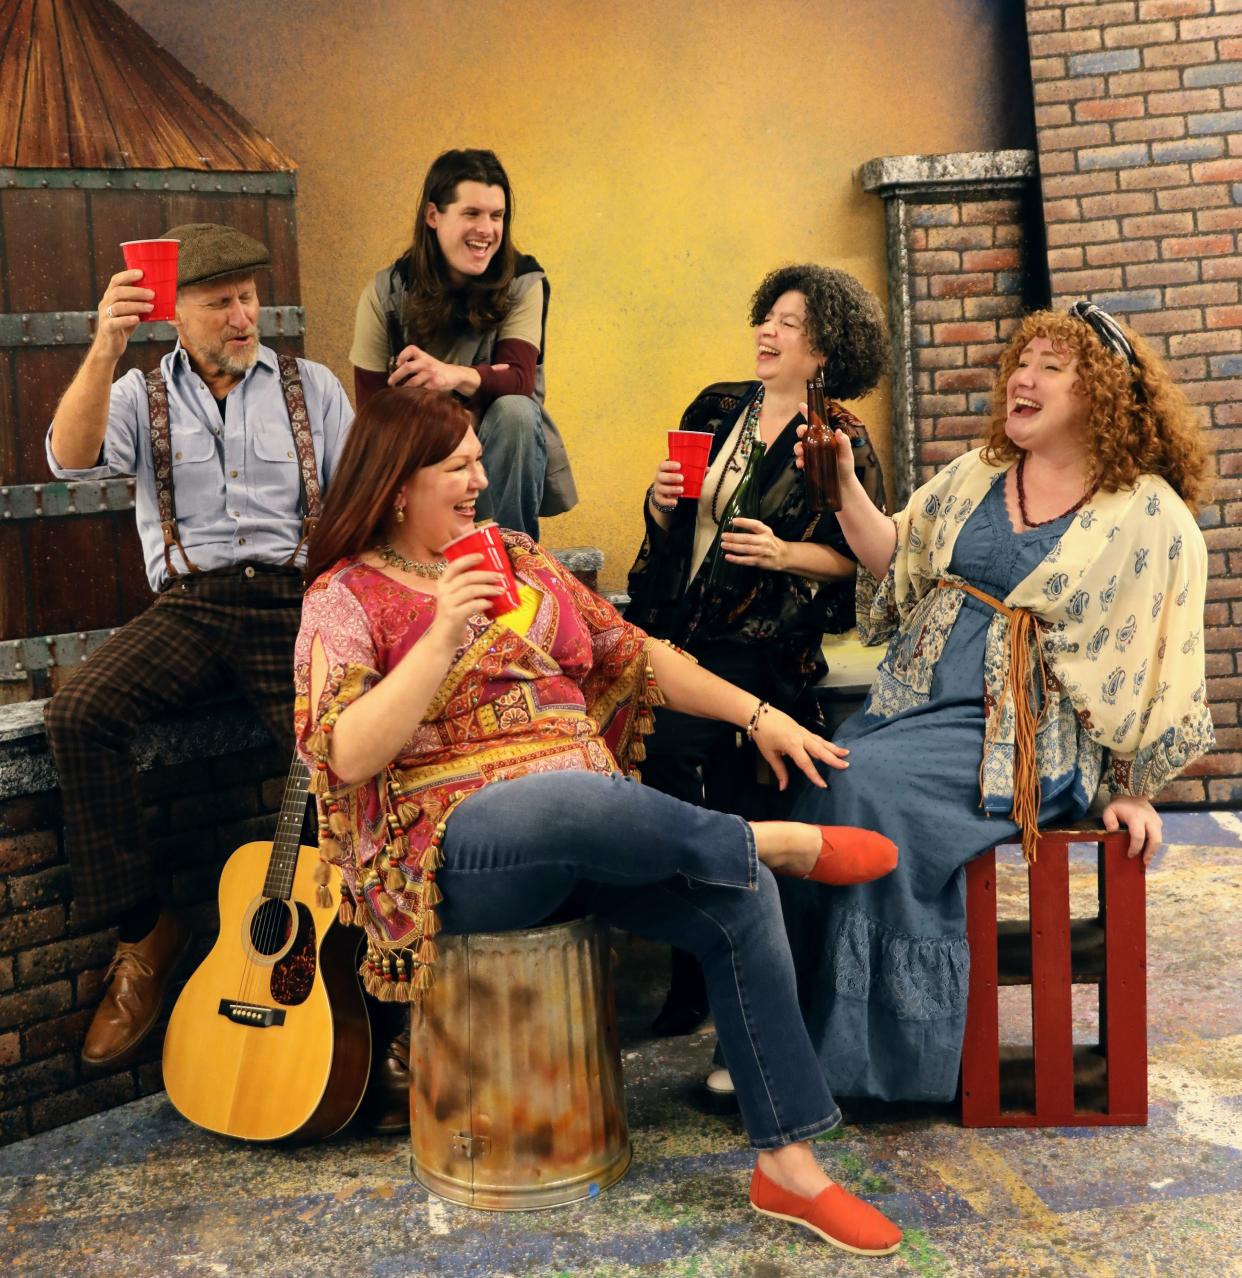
[[1106, 329]]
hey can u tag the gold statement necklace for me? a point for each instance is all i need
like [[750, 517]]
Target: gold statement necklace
[[395, 559]]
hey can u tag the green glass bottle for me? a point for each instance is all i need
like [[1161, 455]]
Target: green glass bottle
[[724, 578]]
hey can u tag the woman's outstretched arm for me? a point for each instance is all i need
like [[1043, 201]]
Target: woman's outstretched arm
[[871, 533], [692, 690]]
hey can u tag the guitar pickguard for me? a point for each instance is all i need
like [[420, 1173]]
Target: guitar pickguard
[[294, 975]]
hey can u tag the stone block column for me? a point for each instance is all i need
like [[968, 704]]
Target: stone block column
[[965, 259]]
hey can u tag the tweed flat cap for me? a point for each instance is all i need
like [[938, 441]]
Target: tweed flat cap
[[209, 250]]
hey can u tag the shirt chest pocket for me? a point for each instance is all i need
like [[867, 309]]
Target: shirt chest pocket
[[191, 445], [273, 445], [197, 476], [273, 474]]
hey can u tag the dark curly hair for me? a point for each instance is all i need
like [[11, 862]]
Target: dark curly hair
[[844, 323], [1139, 422]]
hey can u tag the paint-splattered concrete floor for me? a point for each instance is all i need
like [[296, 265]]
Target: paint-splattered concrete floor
[[139, 1192]]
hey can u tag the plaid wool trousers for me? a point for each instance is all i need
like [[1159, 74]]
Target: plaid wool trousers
[[206, 633]]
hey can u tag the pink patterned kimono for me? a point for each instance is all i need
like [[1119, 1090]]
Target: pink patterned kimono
[[560, 683]]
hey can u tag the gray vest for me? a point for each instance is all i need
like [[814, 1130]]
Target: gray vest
[[559, 490]]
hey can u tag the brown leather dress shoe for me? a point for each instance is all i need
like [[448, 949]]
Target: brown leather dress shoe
[[137, 980], [386, 1105]]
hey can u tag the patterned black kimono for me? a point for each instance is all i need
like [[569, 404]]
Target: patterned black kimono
[[774, 628]]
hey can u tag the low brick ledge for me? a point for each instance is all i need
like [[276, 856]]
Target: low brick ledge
[[218, 728], [583, 561]]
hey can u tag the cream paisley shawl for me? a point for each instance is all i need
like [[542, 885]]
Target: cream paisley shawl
[[1119, 601]]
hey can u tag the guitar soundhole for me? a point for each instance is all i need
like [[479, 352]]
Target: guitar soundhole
[[294, 976], [269, 927]]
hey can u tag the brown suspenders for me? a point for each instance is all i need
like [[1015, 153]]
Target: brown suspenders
[[304, 443], [161, 455]]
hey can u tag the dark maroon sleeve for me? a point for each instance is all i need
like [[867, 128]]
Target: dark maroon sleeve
[[517, 379], [367, 383]]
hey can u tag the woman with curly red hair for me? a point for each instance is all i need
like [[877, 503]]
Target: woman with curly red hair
[[1043, 601]]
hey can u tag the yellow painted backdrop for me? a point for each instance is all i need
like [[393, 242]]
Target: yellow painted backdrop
[[664, 154]]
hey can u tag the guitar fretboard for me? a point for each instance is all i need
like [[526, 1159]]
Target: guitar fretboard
[[288, 837]]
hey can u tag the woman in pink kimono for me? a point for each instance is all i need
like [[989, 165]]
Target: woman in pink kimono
[[470, 777]]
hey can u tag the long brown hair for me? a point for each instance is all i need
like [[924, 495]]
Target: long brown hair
[[398, 431], [434, 305], [1139, 421]]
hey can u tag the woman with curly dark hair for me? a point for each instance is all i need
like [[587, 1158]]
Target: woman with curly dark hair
[[462, 310], [1044, 598], [766, 639]]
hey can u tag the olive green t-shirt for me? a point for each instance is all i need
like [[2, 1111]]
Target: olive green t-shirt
[[371, 347]]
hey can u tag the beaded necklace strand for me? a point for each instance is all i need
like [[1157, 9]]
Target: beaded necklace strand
[[741, 449], [1039, 523]]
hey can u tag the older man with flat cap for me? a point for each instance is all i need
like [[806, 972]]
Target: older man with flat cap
[[231, 447]]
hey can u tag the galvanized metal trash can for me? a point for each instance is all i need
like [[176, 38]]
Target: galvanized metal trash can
[[516, 1095]]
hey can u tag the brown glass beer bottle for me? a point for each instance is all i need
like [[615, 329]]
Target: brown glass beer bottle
[[819, 451]]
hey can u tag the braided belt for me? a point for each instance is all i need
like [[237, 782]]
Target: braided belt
[[1020, 686]]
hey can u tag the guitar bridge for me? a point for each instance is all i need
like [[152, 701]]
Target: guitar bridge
[[251, 1013]]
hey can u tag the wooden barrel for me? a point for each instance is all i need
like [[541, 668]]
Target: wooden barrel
[[516, 1096]]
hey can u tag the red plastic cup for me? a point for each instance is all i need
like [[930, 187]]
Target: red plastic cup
[[157, 260], [485, 540], [690, 448]]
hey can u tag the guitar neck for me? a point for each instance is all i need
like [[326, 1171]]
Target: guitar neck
[[288, 837]]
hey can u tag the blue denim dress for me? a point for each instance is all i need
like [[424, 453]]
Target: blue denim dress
[[883, 967]]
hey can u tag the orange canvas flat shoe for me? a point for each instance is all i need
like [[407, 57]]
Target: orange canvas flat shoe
[[848, 854], [834, 1214]]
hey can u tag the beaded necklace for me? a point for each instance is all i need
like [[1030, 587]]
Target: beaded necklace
[[1039, 523], [741, 449]]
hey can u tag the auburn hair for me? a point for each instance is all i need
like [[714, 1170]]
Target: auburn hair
[[1139, 422], [397, 431]]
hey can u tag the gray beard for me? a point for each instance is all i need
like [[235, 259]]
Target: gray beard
[[235, 366]]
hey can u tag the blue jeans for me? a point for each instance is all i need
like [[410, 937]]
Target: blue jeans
[[515, 457], [516, 851]]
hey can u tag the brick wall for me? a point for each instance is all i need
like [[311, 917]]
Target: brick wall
[[1138, 109], [51, 968]]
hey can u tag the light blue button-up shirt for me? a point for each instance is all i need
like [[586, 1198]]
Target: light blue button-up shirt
[[235, 479]]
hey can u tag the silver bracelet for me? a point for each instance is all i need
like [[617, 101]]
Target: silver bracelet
[[655, 505]]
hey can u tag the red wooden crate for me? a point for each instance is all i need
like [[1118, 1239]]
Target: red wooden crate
[[1110, 951]]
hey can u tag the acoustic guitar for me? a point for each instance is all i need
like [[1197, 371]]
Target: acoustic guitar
[[269, 1039]]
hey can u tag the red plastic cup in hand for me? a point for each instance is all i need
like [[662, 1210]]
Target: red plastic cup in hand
[[157, 260], [690, 448], [486, 540]]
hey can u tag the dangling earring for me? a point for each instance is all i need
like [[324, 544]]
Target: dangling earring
[[400, 516]]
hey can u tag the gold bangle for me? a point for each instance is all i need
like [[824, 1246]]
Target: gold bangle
[[753, 725]]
